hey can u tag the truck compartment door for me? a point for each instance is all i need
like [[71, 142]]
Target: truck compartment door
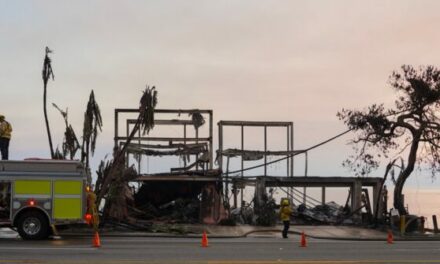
[[67, 204]]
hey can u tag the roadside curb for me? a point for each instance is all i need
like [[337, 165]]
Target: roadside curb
[[246, 234], [406, 238]]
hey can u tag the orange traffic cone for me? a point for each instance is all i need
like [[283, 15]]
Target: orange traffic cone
[[303, 240], [96, 240], [390, 238], [204, 240]]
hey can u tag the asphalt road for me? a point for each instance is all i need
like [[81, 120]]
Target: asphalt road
[[220, 251]]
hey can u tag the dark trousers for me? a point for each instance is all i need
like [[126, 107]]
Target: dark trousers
[[4, 148], [286, 228]]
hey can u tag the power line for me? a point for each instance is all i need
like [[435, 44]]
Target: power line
[[310, 199], [292, 155]]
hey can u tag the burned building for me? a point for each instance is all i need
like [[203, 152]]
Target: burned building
[[177, 179], [194, 188]]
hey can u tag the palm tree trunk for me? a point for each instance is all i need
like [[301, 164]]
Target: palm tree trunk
[[83, 150], [49, 135], [87, 153]]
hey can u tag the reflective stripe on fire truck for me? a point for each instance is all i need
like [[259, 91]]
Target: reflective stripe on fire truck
[[35, 196]]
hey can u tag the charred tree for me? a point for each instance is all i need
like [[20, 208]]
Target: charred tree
[[92, 127], [47, 73], [70, 143], [113, 178], [411, 127]]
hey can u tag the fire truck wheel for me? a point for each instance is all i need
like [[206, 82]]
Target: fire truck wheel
[[33, 225]]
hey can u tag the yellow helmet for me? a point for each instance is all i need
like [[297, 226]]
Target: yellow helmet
[[285, 202]]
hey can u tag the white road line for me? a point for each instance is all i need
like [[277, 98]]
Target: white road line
[[48, 248]]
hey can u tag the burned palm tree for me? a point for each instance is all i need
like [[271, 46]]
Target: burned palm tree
[[92, 126], [70, 143], [113, 176], [47, 73], [118, 192]]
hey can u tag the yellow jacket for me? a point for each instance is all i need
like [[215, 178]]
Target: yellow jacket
[[285, 212], [5, 129]]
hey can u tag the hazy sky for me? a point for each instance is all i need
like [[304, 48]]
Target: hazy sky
[[298, 61]]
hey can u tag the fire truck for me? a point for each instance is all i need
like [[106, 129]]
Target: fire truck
[[36, 195]]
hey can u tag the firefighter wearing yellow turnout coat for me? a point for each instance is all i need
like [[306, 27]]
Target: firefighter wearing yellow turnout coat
[[285, 213], [5, 137]]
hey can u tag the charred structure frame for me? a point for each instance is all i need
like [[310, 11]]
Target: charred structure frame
[[200, 175]]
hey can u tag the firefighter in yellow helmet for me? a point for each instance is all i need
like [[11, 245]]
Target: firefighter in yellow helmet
[[5, 137], [285, 212]]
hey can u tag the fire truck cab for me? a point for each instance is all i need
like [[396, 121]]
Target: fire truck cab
[[35, 194]]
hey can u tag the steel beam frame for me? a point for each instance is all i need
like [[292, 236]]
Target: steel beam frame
[[165, 122]]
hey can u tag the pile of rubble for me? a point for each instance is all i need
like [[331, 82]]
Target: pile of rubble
[[169, 202], [329, 213]]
